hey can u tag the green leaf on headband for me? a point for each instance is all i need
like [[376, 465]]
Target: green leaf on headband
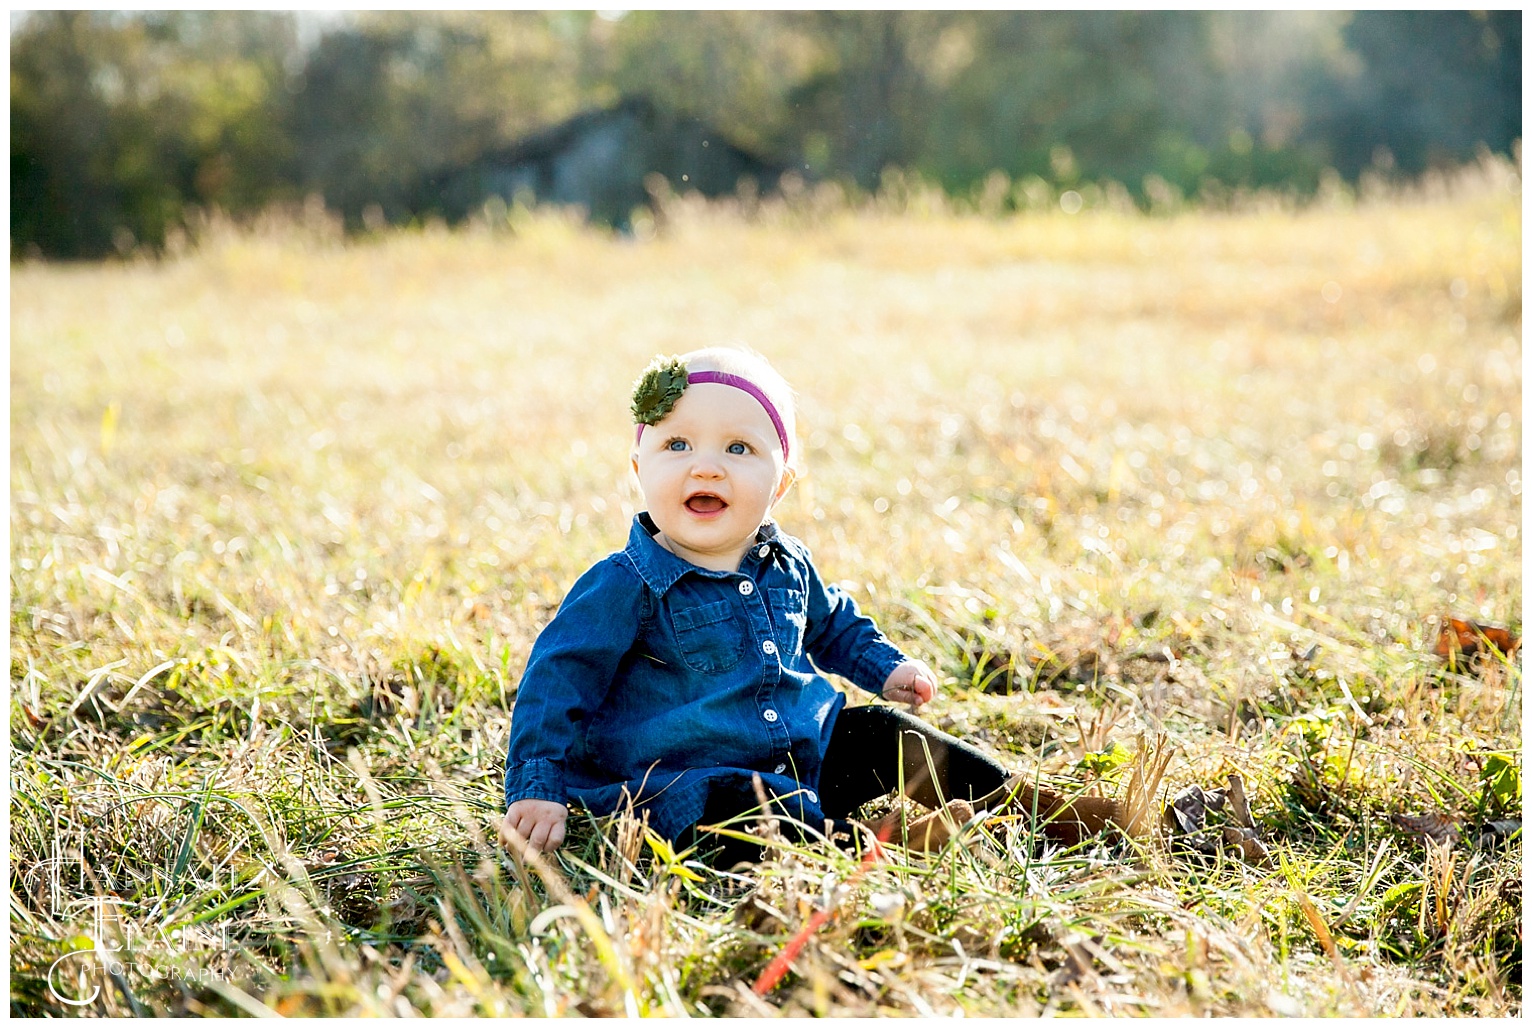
[[658, 389]]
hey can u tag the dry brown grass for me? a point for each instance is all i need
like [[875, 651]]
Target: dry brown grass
[[287, 514]]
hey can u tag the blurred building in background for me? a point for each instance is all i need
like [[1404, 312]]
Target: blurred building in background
[[607, 161]]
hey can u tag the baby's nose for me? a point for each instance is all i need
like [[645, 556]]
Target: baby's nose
[[707, 467]]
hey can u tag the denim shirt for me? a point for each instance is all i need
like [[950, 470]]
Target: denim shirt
[[657, 679]]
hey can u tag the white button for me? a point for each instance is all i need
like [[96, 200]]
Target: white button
[[780, 769], [746, 588], [813, 796], [762, 550], [770, 715], [769, 646]]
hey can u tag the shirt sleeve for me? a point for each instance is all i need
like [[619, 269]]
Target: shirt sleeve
[[840, 639], [570, 669]]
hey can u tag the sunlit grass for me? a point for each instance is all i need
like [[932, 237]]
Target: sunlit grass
[[288, 512]]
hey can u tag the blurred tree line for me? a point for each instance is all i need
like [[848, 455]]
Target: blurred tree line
[[123, 124]]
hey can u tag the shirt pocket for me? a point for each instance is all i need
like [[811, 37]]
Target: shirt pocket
[[790, 612], [709, 636]]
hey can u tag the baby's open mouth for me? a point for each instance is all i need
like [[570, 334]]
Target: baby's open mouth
[[705, 503]]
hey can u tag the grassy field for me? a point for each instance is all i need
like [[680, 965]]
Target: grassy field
[[288, 512]]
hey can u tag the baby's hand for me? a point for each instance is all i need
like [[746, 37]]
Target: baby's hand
[[537, 825], [912, 682]]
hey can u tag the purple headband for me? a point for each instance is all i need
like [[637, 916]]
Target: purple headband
[[724, 378]]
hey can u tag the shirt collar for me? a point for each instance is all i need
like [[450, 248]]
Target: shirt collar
[[660, 569]]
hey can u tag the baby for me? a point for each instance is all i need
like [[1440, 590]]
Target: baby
[[683, 668]]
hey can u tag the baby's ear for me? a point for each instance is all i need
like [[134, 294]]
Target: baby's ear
[[789, 476]]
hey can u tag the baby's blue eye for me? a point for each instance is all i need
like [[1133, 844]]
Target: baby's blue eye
[[738, 448], [676, 444]]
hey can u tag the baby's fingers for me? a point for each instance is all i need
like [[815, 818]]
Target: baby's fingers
[[515, 834], [922, 688], [537, 840]]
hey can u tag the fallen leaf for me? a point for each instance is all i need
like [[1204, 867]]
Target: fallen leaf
[[1436, 827], [1238, 805], [1498, 833], [1461, 640], [1185, 818], [1190, 807], [1251, 849]]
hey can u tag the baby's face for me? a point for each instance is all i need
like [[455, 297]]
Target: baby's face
[[710, 473]]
